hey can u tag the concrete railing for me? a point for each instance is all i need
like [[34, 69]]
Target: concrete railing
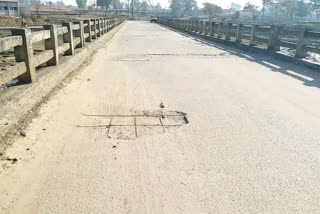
[[273, 37], [56, 41]]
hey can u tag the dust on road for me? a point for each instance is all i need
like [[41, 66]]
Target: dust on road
[[251, 144]]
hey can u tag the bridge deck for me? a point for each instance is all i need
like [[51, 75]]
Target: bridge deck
[[102, 144]]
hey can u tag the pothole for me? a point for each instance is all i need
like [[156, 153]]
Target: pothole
[[134, 125]]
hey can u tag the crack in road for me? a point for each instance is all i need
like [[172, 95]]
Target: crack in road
[[144, 57]]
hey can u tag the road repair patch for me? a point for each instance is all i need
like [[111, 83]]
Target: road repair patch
[[134, 125]]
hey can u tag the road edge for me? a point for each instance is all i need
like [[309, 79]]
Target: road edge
[[248, 49], [22, 103]]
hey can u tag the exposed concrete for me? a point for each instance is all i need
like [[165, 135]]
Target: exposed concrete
[[62, 30], [80, 33], [52, 44], [17, 101], [68, 38], [24, 53], [301, 51], [43, 57], [9, 42], [87, 30], [11, 72], [40, 35]]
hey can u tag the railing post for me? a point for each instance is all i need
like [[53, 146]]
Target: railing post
[[98, 28], [274, 39], [253, 35], [103, 26], [87, 30], [206, 28], [238, 36], [68, 38], [80, 33], [228, 31], [24, 53], [52, 44], [301, 45], [94, 29], [198, 26], [212, 29], [220, 30], [202, 27], [107, 25]]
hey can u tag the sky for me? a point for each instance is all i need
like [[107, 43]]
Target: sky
[[165, 3]]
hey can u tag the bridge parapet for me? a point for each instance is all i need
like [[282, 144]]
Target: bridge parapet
[[34, 48], [271, 37]]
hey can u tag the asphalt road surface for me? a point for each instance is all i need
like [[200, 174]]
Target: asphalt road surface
[[116, 138]]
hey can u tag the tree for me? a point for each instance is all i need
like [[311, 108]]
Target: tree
[[36, 4], [177, 7], [289, 9], [235, 7], [135, 7], [276, 10], [60, 4], [151, 4], [252, 9], [158, 7], [235, 16], [264, 4], [315, 7], [104, 4], [302, 9], [189, 6], [144, 8], [211, 10], [117, 5], [81, 3]]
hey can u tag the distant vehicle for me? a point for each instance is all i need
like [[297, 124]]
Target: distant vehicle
[[153, 20]]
